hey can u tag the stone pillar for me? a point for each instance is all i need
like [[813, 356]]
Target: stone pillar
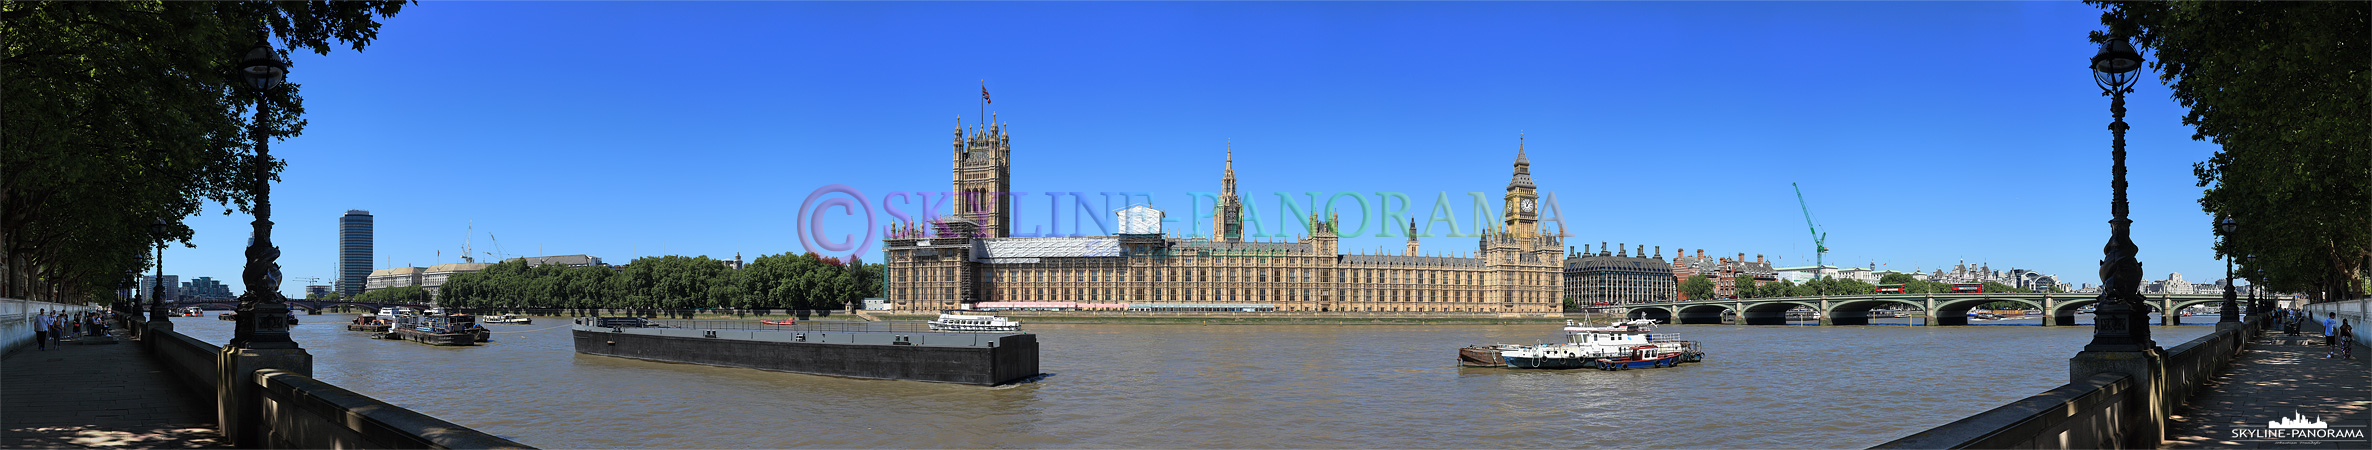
[[2050, 310], [239, 402], [2146, 421]]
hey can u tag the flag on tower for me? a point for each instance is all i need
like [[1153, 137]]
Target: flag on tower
[[984, 94]]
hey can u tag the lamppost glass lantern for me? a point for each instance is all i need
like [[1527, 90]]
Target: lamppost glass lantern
[[263, 67], [2116, 64]]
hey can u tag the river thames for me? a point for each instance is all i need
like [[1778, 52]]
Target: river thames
[[1229, 386]]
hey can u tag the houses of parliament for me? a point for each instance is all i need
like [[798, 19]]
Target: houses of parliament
[[969, 259]]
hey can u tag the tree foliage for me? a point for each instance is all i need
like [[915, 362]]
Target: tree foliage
[[2286, 90], [1697, 288], [120, 114], [411, 295], [783, 281]]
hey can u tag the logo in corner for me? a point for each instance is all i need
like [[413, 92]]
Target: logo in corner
[[2297, 422]]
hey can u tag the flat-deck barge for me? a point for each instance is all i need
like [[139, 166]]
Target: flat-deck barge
[[886, 351]]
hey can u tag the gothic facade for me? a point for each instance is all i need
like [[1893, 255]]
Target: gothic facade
[[968, 258]]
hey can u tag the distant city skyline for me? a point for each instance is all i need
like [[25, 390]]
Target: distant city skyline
[[1661, 124]]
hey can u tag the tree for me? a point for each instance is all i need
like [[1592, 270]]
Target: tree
[[1998, 287], [1898, 278], [2285, 89], [124, 113], [1697, 288]]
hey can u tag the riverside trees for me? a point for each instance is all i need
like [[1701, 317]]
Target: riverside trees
[[121, 114], [783, 281], [2285, 89]]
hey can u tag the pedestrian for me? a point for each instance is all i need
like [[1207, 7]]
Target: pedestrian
[[41, 329], [2330, 334], [2347, 339]]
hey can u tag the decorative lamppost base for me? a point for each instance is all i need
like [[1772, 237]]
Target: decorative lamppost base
[[2148, 371], [239, 401]]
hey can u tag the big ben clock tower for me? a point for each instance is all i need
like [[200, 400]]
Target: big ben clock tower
[[1523, 204]]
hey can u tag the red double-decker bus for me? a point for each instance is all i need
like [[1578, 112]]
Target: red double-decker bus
[[1968, 288], [1890, 289]]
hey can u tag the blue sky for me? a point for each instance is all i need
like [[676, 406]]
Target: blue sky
[[1922, 133]]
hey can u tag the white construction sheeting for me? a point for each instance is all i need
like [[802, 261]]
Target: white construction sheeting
[[994, 249], [1139, 219]]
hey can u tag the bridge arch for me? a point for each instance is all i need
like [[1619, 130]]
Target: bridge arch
[[2065, 314], [1772, 312], [1703, 314], [1954, 310], [1856, 311], [1659, 313]]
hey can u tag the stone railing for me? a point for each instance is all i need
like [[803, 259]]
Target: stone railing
[[2354, 311], [297, 411], [2098, 410], [16, 321]]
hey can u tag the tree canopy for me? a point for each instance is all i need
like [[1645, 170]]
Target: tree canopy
[[784, 281], [121, 114], [1697, 288], [2286, 89]]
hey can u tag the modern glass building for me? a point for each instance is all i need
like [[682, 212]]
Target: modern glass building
[[354, 252]]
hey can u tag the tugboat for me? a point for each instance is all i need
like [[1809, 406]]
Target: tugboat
[[972, 320]]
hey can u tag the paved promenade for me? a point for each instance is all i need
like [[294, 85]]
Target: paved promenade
[[98, 396], [2279, 377]]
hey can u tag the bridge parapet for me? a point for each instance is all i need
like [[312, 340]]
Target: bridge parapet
[[2102, 407], [1941, 309]]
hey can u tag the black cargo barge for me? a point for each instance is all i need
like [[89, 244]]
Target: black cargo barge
[[985, 359]]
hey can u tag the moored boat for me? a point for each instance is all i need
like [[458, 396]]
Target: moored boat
[[972, 320], [1623, 345], [509, 318]]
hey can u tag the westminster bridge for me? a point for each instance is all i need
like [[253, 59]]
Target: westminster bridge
[[1941, 309]]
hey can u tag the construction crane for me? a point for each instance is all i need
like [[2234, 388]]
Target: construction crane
[[1819, 239], [497, 247]]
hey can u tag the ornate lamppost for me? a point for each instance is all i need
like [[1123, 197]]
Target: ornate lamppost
[[2121, 322], [2256, 307], [2230, 312], [263, 313], [157, 317]]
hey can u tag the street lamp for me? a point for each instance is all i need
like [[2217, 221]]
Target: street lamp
[[2231, 309], [2120, 324], [2255, 307], [157, 318], [263, 313]]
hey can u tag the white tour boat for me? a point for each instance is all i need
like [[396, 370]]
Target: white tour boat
[[972, 320]]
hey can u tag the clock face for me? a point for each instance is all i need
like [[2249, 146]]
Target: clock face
[[1527, 205]]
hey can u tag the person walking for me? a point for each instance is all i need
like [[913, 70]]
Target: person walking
[[2347, 339], [41, 330], [2330, 334]]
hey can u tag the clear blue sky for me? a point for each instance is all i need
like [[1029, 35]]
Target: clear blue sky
[[1923, 133]]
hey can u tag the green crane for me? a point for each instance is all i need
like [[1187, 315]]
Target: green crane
[[1819, 239]]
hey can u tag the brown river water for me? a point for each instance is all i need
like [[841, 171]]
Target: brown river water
[[1229, 386]]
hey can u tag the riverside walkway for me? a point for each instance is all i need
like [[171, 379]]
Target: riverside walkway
[[2277, 377], [92, 395]]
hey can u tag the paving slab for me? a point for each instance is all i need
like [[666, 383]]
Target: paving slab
[[2281, 378], [99, 396]]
